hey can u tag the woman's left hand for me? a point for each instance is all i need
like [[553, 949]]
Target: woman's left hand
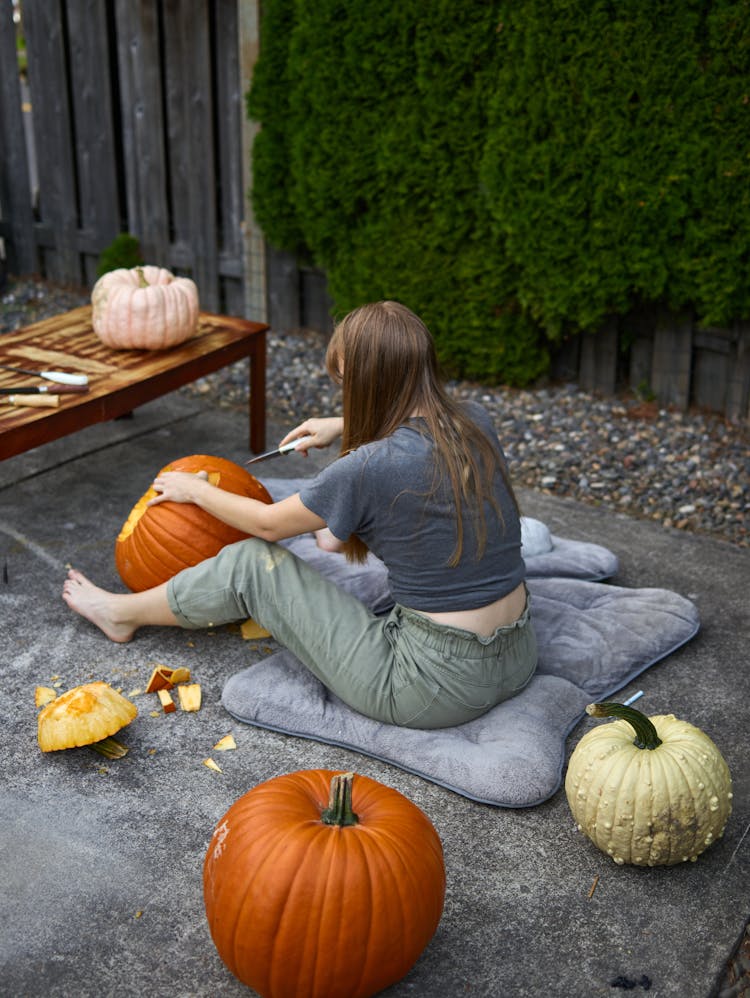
[[177, 486]]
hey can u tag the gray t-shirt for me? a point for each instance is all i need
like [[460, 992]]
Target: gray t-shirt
[[381, 493]]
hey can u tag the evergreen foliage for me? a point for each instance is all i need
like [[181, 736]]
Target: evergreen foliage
[[123, 251], [514, 169]]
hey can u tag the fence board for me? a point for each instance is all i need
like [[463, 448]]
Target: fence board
[[228, 135], [598, 370], [284, 280], [16, 217], [45, 32], [737, 405], [101, 214], [672, 358], [143, 126], [190, 139], [565, 359], [316, 304], [256, 281]]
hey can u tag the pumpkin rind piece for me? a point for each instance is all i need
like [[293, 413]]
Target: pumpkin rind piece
[[656, 800], [82, 716], [300, 907], [156, 542]]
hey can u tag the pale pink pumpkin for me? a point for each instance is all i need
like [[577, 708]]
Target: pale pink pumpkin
[[144, 308]]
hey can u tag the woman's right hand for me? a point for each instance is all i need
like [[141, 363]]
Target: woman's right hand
[[323, 432]]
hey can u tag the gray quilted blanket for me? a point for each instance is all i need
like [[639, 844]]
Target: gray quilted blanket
[[593, 639]]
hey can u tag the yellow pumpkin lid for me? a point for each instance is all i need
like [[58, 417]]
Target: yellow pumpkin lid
[[82, 716]]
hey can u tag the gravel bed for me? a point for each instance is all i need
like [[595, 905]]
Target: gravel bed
[[690, 471]]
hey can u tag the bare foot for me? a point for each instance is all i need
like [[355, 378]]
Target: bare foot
[[96, 605]]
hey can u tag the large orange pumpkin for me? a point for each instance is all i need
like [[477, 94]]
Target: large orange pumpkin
[[323, 885], [158, 541]]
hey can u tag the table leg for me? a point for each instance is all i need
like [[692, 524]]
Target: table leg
[[257, 377]]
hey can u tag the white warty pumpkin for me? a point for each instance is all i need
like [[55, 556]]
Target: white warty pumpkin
[[144, 308], [655, 799]]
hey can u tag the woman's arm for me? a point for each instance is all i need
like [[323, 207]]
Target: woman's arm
[[272, 522]]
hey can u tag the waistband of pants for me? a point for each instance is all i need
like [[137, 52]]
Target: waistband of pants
[[435, 632]]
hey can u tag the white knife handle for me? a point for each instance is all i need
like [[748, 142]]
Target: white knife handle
[[65, 379], [293, 444]]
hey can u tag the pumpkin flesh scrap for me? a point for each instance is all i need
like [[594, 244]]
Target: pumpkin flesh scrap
[[190, 697]]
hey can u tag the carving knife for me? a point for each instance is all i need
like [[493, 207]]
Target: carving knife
[[61, 377], [41, 401], [44, 389], [292, 445]]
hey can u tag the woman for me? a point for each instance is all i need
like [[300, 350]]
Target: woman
[[421, 482]]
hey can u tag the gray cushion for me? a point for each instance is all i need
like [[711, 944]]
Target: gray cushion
[[593, 639]]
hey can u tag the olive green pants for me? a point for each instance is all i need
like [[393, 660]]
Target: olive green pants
[[401, 668]]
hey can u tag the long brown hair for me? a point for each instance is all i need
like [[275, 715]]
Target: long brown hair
[[383, 356]]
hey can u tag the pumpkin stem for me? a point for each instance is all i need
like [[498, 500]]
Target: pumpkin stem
[[142, 282], [645, 733], [339, 810], [110, 748]]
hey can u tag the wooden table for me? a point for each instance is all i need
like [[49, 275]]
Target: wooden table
[[120, 380]]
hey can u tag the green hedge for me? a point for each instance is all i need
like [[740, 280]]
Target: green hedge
[[512, 171]]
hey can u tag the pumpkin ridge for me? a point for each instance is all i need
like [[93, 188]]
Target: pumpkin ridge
[[335, 864], [149, 552], [156, 540], [367, 969], [287, 927], [681, 763], [226, 896], [698, 826], [668, 819], [703, 780], [396, 915], [595, 808], [207, 525], [396, 846], [623, 812], [286, 858], [660, 809], [202, 540]]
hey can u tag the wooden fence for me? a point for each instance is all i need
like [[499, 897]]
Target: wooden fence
[[139, 125], [667, 357]]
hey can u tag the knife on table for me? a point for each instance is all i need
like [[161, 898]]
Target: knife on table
[[61, 377], [44, 389], [284, 449], [34, 400]]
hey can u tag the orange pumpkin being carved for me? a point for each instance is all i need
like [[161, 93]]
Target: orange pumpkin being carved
[[323, 902], [157, 542]]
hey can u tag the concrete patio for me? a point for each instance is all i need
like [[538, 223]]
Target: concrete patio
[[100, 861]]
